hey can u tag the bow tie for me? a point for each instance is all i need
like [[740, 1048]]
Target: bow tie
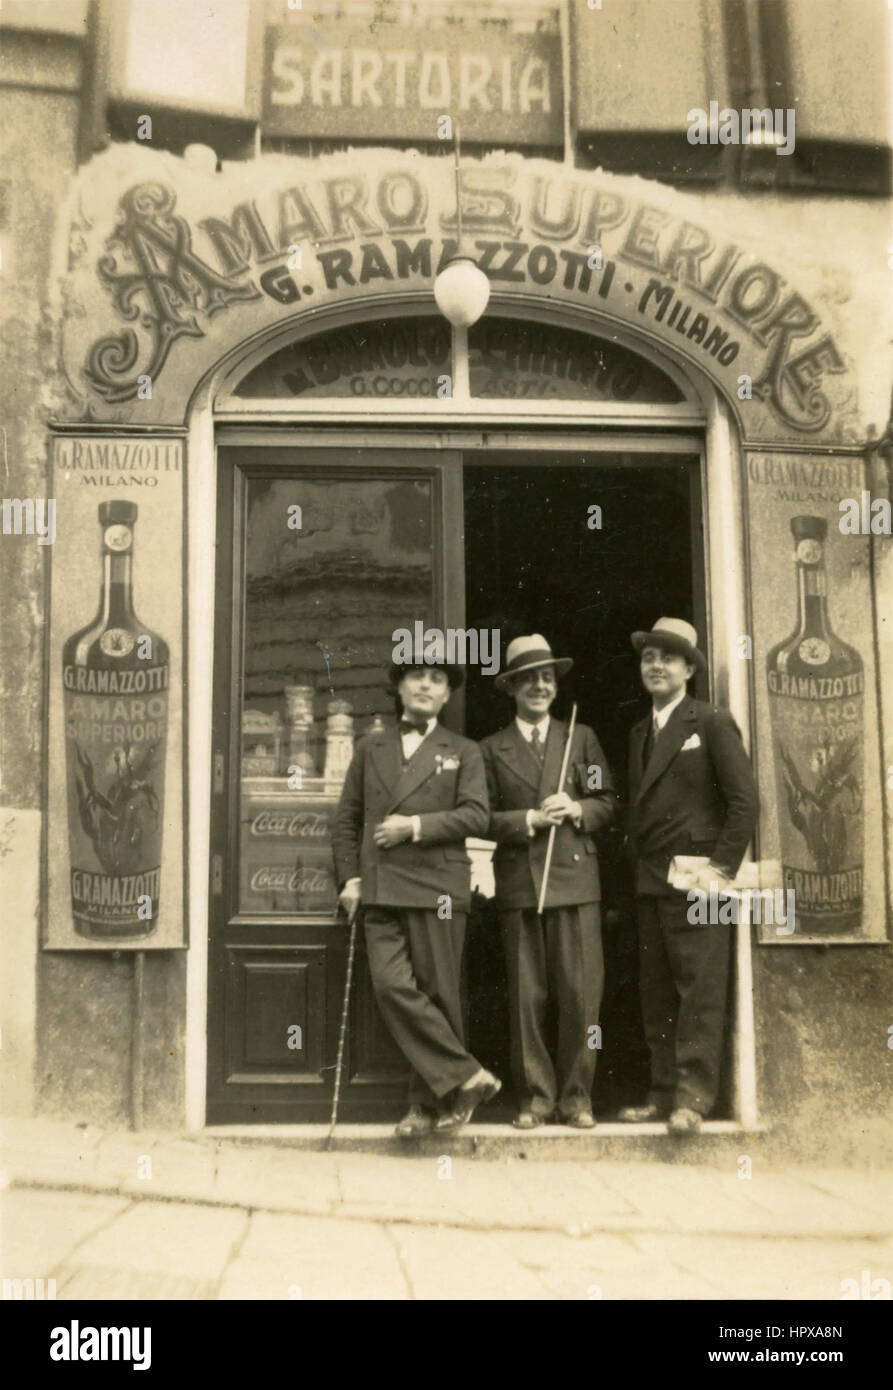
[[408, 726]]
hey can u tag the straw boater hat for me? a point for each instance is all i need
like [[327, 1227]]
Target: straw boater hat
[[673, 635], [526, 654]]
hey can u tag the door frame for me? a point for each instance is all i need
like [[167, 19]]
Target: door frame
[[724, 602]]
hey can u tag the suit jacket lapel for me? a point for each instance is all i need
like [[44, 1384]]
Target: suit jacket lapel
[[517, 754], [387, 757], [668, 744], [640, 733], [421, 764], [552, 761]]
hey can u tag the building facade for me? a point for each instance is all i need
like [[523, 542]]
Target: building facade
[[243, 448]]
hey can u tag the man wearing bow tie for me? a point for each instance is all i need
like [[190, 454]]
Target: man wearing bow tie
[[410, 797], [560, 952], [691, 792]]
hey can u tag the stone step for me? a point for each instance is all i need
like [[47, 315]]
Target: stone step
[[719, 1141]]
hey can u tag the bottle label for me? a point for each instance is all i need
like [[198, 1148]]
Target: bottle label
[[115, 740], [817, 725], [117, 538]]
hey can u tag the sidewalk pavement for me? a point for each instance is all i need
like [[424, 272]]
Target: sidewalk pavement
[[110, 1214]]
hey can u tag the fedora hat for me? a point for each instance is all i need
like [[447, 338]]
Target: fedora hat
[[454, 674], [528, 653], [673, 635]]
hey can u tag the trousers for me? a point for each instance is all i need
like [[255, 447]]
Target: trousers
[[683, 981], [557, 956], [415, 960]]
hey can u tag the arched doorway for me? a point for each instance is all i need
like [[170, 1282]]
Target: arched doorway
[[560, 488]]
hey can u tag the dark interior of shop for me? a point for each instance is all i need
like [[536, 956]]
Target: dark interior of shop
[[534, 565]]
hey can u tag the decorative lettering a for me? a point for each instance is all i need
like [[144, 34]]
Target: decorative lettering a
[[169, 286]]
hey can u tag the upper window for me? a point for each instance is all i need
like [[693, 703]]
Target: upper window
[[394, 362]]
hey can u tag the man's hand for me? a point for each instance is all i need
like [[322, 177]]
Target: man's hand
[[393, 830], [559, 807], [538, 820], [709, 880], [349, 898]]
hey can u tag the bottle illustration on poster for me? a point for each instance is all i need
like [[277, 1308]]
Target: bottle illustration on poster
[[816, 697], [116, 675]]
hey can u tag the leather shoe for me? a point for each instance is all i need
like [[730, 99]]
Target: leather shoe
[[640, 1114], [684, 1121], [528, 1119], [465, 1101], [582, 1119], [415, 1121]]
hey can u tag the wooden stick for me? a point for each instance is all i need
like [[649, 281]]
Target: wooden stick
[[343, 1030], [551, 845]]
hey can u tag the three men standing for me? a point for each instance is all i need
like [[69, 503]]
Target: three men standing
[[692, 792], [410, 797], [558, 954]]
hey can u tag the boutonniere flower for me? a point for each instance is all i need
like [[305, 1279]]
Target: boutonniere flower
[[445, 764]]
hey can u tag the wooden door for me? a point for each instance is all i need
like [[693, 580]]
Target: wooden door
[[322, 553]]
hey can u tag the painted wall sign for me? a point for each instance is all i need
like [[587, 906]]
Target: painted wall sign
[[330, 79], [170, 271], [115, 824], [409, 358], [815, 682]]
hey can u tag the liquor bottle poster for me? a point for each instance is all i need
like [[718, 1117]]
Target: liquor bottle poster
[[115, 828], [818, 746]]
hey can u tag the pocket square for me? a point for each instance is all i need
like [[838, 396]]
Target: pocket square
[[694, 741]]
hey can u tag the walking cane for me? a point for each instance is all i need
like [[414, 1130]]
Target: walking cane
[[551, 845], [343, 1030]]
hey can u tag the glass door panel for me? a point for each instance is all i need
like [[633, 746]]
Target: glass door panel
[[332, 566]]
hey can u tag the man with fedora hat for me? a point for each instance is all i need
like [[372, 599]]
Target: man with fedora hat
[[691, 792], [410, 797], [558, 954]]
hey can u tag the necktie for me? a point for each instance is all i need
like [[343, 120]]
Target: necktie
[[651, 742], [537, 744]]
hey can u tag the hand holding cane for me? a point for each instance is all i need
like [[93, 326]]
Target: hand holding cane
[[551, 845]]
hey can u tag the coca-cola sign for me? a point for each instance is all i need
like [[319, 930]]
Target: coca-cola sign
[[305, 878], [295, 825]]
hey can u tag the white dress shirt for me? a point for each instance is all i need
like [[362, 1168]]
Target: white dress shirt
[[412, 741], [527, 729], [660, 716]]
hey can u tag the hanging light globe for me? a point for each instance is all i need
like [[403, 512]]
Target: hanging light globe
[[462, 291]]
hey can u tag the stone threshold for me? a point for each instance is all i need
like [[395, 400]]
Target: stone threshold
[[608, 1140]]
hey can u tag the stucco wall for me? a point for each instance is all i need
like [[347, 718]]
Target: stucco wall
[[78, 1053]]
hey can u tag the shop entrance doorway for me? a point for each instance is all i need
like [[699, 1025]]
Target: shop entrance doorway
[[584, 548], [583, 544]]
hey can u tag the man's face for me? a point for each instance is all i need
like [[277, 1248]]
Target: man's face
[[664, 673], [424, 692], [533, 693]]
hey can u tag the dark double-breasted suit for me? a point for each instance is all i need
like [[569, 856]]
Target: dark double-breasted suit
[[415, 895], [695, 795], [560, 954]]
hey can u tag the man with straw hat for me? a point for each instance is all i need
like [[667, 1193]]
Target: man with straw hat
[[692, 793], [558, 953]]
